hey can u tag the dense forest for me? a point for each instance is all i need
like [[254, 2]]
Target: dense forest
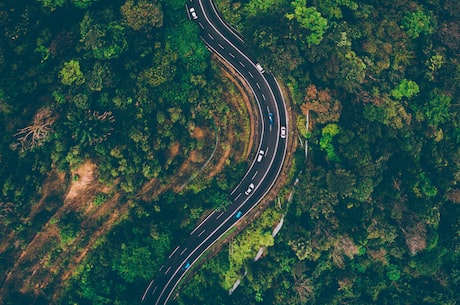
[[115, 143]]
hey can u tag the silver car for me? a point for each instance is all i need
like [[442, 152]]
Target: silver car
[[283, 132], [193, 13], [250, 188], [260, 156]]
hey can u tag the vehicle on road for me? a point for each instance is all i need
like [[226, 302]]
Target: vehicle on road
[[193, 13], [186, 266], [250, 188], [260, 156], [259, 67], [283, 132], [268, 96], [270, 118]]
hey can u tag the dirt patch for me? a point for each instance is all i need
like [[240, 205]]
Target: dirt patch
[[247, 103], [229, 148], [84, 176], [51, 199], [174, 150], [221, 163], [54, 184], [236, 128], [198, 133], [50, 257], [274, 192], [196, 156]]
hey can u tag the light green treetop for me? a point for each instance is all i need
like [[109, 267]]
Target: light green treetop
[[416, 23], [71, 73], [309, 18], [406, 88]]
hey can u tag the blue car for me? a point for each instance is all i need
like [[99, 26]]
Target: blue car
[[270, 118], [238, 215], [186, 266]]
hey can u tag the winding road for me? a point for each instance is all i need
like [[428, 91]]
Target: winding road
[[260, 177]]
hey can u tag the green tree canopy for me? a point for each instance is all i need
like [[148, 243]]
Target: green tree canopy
[[52, 4], [309, 18], [437, 110], [406, 88], [83, 3], [416, 23], [71, 73], [255, 7], [142, 14], [105, 40], [325, 143]]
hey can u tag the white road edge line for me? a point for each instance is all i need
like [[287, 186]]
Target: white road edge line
[[252, 89], [255, 96], [145, 293], [228, 26], [272, 182]]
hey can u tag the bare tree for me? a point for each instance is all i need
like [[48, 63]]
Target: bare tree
[[304, 288], [326, 107], [6, 209], [35, 134]]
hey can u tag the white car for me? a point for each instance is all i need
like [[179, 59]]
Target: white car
[[193, 13], [250, 188], [259, 67], [283, 132], [260, 156]]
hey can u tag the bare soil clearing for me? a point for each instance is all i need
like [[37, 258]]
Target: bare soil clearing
[[48, 260], [85, 174]]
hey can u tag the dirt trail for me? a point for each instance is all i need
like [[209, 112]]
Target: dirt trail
[[47, 260], [38, 264]]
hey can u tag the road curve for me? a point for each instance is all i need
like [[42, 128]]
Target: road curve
[[223, 40]]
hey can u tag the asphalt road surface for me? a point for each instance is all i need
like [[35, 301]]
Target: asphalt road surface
[[220, 38]]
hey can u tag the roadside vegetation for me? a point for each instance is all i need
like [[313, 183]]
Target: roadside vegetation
[[375, 214], [119, 135], [109, 111]]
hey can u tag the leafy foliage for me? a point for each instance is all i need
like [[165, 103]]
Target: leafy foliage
[[374, 216], [378, 220], [406, 88], [309, 18], [142, 15], [416, 23], [71, 73]]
